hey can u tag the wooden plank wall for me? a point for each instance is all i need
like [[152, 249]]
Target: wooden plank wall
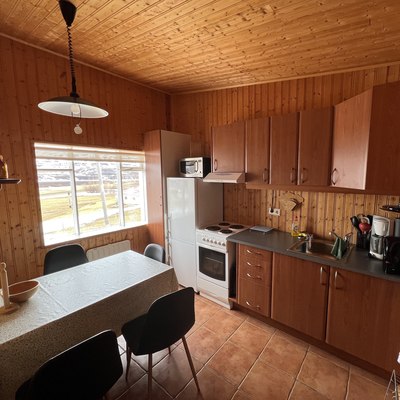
[[321, 212], [27, 76]]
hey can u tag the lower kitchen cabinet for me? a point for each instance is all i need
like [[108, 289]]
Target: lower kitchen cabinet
[[299, 294], [364, 317], [254, 279]]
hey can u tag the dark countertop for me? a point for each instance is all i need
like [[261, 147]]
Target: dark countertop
[[279, 242]]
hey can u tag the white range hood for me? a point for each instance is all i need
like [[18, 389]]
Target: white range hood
[[225, 177]]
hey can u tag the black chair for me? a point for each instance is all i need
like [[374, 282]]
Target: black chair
[[64, 257], [169, 318], [155, 251], [83, 372]]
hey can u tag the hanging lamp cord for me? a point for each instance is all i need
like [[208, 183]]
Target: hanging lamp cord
[[71, 63]]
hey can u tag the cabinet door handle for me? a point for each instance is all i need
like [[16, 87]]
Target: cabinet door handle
[[215, 164], [303, 175], [253, 252], [293, 175], [253, 265], [333, 181], [321, 271], [265, 175], [250, 305], [335, 282], [253, 277]]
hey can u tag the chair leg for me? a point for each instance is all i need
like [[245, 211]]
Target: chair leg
[[169, 349], [128, 361], [149, 376], [190, 362]]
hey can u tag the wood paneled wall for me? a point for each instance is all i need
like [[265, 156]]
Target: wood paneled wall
[[27, 76], [321, 212]]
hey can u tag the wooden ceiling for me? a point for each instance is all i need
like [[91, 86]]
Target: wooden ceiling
[[192, 45]]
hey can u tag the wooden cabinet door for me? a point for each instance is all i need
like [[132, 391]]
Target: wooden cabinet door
[[383, 158], [299, 294], [257, 150], [350, 141], [315, 147], [364, 317], [284, 145], [254, 296], [228, 147]]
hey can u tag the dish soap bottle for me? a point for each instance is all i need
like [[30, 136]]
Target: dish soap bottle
[[3, 168], [295, 227]]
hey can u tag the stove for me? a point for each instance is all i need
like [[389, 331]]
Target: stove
[[216, 261], [215, 235]]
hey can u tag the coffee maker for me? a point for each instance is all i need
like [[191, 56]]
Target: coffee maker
[[381, 227]]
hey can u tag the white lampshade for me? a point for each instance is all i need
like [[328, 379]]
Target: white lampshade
[[72, 107]]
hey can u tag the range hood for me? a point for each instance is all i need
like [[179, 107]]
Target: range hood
[[225, 177]]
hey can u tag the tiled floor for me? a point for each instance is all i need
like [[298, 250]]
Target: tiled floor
[[240, 358]]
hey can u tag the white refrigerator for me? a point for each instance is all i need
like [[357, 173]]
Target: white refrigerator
[[191, 204]]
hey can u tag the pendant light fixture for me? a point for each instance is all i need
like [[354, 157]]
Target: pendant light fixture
[[72, 105]]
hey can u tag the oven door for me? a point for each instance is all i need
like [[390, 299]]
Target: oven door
[[212, 265]]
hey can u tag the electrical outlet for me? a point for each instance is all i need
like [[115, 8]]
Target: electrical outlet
[[274, 211]]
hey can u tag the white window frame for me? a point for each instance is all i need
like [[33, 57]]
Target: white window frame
[[91, 154]]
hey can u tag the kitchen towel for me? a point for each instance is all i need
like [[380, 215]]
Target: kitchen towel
[[339, 248]]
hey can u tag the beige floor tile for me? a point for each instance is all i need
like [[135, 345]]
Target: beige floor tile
[[121, 344], [139, 391], [173, 372], [284, 353], [203, 344], [324, 376], [251, 337], [240, 395], [223, 323], [212, 386], [261, 324], [122, 385], [237, 313], [330, 357], [265, 382], [365, 389], [157, 357], [232, 362], [303, 392], [205, 309]]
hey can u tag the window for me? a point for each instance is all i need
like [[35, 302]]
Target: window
[[86, 191]]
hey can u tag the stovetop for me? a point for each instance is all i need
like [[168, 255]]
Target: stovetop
[[222, 229]]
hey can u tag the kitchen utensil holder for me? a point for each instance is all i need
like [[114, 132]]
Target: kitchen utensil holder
[[363, 240]]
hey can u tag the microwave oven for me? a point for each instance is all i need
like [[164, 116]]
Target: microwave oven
[[391, 255], [195, 167]]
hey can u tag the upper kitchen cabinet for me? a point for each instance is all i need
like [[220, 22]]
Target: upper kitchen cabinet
[[315, 147], [283, 151], [228, 147], [350, 141], [257, 150], [366, 141]]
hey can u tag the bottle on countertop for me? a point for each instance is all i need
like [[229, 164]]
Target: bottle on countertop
[[3, 168], [295, 227]]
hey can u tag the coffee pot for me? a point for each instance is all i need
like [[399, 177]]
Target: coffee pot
[[381, 227]]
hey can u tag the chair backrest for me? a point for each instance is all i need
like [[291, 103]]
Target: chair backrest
[[155, 251], [64, 257], [169, 318], [83, 372]]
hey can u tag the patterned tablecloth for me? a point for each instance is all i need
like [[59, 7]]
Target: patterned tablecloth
[[74, 304]]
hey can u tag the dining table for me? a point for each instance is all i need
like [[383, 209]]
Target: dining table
[[74, 304]]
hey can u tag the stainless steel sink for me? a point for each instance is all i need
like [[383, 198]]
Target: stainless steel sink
[[319, 248]]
